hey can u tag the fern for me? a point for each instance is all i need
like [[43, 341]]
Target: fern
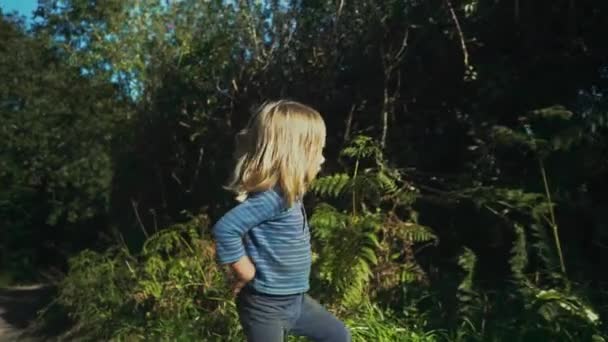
[[519, 255], [365, 248], [551, 303], [326, 221], [363, 147], [347, 254], [554, 309], [545, 251], [172, 289], [564, 315], [467, 261], [333, 185], [410, 273], [365, 242], [387, 182], [415, 233], [535, 207], [469, 301]]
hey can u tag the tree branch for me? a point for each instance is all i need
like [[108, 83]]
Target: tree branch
[[460, 34]]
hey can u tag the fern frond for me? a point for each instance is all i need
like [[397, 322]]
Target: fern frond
[[553, 303], [544, 249], [386, 182], [369, 255], [348, 252], [353, 289], [361, 147], [519, 254], [416, 233], [363, 255], [506, 136], [326, 221], [410, 273], [333, 185], [166, 240], [469, 300], [467, 261], [409, 231]]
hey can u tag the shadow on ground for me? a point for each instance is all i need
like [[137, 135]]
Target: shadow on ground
[[19, 308]]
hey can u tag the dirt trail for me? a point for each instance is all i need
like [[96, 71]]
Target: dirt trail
[[18, 308]]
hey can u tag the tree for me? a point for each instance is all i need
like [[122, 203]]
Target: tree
[[58, 130]]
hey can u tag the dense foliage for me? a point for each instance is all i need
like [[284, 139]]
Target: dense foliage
[[463, 197]]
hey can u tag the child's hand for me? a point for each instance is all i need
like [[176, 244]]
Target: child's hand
[[243, 271], [237, 286]]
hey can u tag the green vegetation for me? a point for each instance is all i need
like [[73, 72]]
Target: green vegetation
[[463, 198]]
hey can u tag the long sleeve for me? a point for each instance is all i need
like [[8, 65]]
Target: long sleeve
[[229, 230]]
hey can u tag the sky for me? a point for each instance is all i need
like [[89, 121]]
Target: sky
[[23, 7]]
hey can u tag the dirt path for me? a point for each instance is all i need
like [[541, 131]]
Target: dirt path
[[18, 308]]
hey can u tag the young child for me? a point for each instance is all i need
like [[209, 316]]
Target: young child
[[265, 239]]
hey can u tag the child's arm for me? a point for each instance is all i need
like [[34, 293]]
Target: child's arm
[[230, 229], [239, 273]]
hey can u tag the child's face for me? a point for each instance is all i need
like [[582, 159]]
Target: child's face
[[321, 159]]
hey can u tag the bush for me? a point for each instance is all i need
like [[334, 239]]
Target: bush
[[172, 289]]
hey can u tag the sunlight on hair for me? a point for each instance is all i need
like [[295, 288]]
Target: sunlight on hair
[[281, 146]]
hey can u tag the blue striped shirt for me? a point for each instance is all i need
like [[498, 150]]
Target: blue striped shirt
[[276, 238]]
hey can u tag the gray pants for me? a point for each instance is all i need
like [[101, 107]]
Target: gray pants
[[268, 318]]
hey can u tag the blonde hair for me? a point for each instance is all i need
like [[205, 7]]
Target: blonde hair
[[281, 146]]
